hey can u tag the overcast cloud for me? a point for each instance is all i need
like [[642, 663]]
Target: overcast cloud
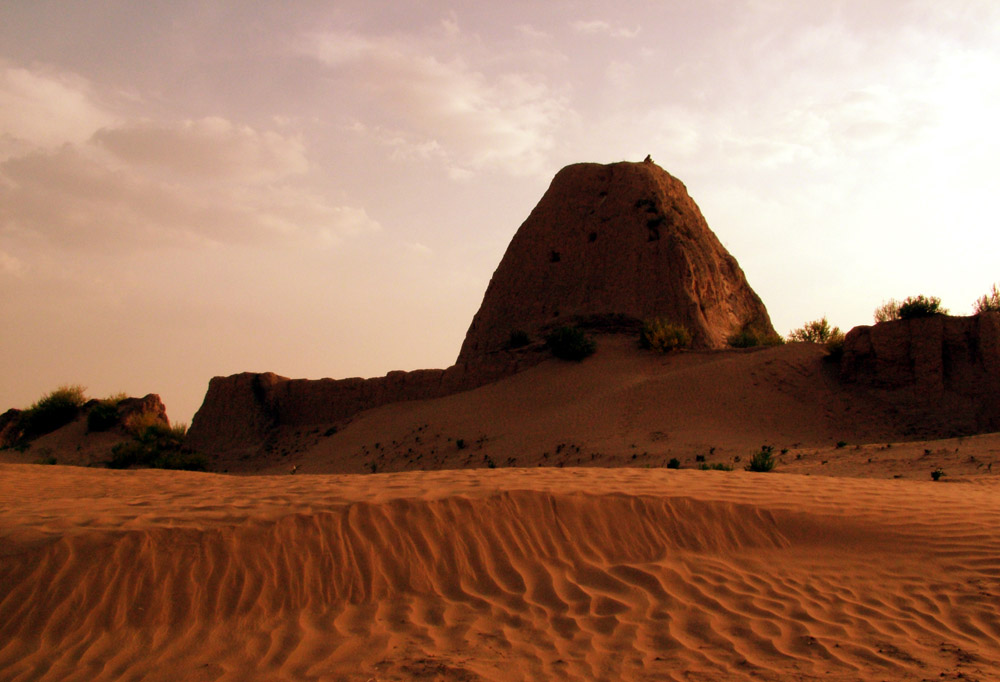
[[191, 189]]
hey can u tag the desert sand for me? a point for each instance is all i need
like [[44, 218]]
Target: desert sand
[[507, 574], [553, 522], [579, 557]]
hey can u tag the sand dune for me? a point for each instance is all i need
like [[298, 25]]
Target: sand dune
[[582, 574], [621, 407]]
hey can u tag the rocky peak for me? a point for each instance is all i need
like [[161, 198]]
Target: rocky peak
[[618, 241]]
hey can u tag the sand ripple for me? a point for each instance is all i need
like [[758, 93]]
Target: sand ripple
[[505, 575]]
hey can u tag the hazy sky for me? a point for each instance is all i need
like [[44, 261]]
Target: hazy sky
[[191, 189]]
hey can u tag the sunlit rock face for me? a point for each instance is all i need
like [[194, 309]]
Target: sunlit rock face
[[618, 244]]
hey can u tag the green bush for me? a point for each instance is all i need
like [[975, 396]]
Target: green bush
[[674, 463], [817, 331], [989, 303], [889, 310], [835, 348], [155, 444], [103, 415], [570, 343], [135, 453], [763, 460], [659, 335], [716, 466], [52, 411], [749, 338], [921, 306]]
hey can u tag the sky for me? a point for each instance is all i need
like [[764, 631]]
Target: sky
[[323, 188]]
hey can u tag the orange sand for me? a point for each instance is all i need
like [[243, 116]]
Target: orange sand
[[507, 574]]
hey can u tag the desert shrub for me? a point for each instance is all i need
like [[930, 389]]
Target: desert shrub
[[518, 339], [921, 306], [817, 331], [749, 338], [835, 347], [138, 423], [937, 474], [762, 460], [716, 466], [103, 415], [674, 463], [570, 343], [660, 335], [155, 444], [889, 310], [989, 303], [52, 411], [135, 453]]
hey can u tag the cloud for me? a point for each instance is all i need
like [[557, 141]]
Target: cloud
[[77, 174], [209, 148], [440, 106], [597, 27], [78, 198], [45, 107], [10, 265]]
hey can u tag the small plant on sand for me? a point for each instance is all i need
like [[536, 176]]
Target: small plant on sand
[[570, 343], [750, 338], [716, 466], [155, 444], [104, 414], [674, 463], [937, 474], [762, 460], [52, 411], [138, 423], [659, 335], [989, 303], [816, 331]]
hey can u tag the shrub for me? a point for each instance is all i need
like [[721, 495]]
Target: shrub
[[748, 338], [139, 423], [817, 331], [658, 334], [763, 460], [155, 444], [52, 411], [103, 415], [135, 453], [570, 343], [989, 303], [921, 306], [716, 466], [674, 463], [937, 474], [889, 310], [518, 339], [835, 347]]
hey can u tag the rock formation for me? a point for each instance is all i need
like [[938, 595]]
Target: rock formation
[[622, 240], [606, 246], [941, 372]]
